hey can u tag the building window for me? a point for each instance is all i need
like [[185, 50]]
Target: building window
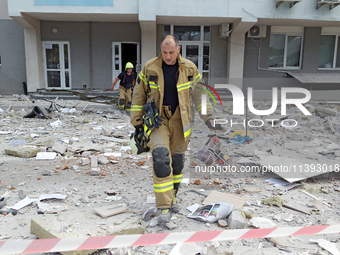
[[285, 51], [329, 54], [195, 45]]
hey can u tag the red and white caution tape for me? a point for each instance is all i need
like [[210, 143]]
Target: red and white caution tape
[[106, 242]]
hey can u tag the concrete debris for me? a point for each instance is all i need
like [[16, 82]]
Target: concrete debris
[[261, 222], [58, 147], [85, 161], [106, 130], [102, 160], [185, 249], [210, 250], [23, 151], [236, 221], [121, 178], [327, 245], [327, 111], [95, 171], [171, 225], [94, 161], [47, 172]]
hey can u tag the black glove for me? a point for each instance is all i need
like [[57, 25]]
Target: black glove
[[149, 117], [143, 141], [157, 118], [152, 119], [217, 126]]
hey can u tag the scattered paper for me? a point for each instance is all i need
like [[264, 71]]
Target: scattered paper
[[65, 110], [46, 155], [282, 184], [327, 245], [193, 208], [98, 128], [25, 202], [114, 154], [120, 127], [57, 123], [34, 135]]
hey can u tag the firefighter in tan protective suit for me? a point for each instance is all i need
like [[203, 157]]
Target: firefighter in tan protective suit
[[168, 82]]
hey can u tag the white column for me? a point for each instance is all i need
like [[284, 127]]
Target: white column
[[33, 53], [236, 52], [149, 36]]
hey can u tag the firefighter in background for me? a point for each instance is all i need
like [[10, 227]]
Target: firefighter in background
[[163, 94], [127, 81]]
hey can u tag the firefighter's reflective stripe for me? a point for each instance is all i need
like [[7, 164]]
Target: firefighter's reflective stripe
[[142, 77], [209, 105], [136, 108], [153, 85], [187, 129], [197, 79], [178, 178], [163, 187], [183, 86], [146, 130]]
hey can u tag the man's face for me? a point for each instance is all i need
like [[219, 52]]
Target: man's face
[[129, 70], [170, 52]]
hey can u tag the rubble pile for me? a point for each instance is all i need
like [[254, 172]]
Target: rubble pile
[[73, 174]]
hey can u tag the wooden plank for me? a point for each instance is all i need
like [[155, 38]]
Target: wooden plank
[[216, 196]]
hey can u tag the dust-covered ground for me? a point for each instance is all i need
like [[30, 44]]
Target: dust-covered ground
[[95, 129]]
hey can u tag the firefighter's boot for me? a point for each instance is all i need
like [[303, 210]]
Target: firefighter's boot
[[165, 216]]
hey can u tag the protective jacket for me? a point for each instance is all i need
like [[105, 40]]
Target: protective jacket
[[150, 85]]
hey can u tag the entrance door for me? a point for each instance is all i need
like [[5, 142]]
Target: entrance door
[[57, 65], [193, 52], [121, 54]]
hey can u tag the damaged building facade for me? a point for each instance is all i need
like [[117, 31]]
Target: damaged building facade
[[260, 44]]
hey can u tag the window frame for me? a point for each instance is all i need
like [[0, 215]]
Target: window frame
[[285, 67], [337, 35], [201, 43]]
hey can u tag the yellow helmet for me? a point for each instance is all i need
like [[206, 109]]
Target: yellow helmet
[[128, 65]]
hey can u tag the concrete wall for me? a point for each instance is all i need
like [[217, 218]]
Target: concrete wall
[[103, 34], [263, 78], [12, 52], [218, 58]]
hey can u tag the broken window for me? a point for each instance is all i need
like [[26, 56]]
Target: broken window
[[285, 51], [329, 53]]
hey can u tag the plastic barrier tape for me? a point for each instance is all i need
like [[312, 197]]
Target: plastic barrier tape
[[106, 242]]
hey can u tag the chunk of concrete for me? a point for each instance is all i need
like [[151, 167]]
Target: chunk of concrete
[[236, 221], [94, 161], [102, 160], [23, 151], [185, 249], [86, 153], [58, 147], [74, 167], [85, 161], [63, 226], [106, 130], [47, 172], [95, 171], [327, 111]]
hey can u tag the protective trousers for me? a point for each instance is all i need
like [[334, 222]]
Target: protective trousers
[[168, 147], [124, 101]]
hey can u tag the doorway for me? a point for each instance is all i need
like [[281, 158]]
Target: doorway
[[57, 65], [123, 52]]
